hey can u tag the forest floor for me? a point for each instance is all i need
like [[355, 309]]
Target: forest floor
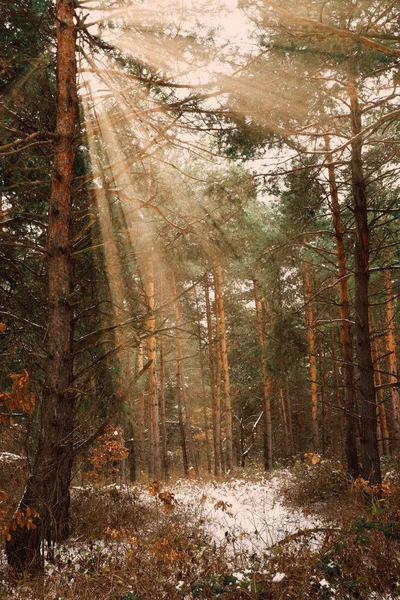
[[305, 532]]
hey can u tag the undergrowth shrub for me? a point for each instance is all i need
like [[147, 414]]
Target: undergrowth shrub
[[310, 484]]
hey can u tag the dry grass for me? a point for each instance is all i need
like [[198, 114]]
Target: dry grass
[[126, 546]]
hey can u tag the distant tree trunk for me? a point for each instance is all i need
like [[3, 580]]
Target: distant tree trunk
[[300, 428], [48, 487], [382, 429], [218, 377], [323, 402], [345, 334], [284, 422], [142, 409], [225, 368], [164, 454], [203, 386], [266, 383], [392, 364], [130, 419], [337, 441], [371, 469], [289, 416], [181, 378], [154, 416], [216, 424], [312, 357]]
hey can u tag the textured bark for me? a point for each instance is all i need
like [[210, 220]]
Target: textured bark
[[163, 420], [392, 364], [203, 387], [154, 416], [218, 378], [337, 441], [345, 334], [225, 368], [181, 379], [289, 415], [382, 428], [369, 443], [48, 486], [266, 383], [142, 410], [312, 358], [216, 425]]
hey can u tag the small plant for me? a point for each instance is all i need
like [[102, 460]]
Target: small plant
[[109, 449]]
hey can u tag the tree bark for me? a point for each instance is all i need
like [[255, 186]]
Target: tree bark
[[371, 469], [392, 364], [48, 486], [382, 428], [345, 334], [312, 358], [203, 386], [142, 409], [216, 424], [225, 368], [266, 383], [154, 416], [181, 378], [164, 454], [218, 377]]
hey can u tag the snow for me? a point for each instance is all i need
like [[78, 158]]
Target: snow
[[8, 457], [278, 577], [244, 516]]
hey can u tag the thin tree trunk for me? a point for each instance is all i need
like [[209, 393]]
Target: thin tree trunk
[[337, 441], [392, 364], [382, 427], [218, 376], [299, 413], [154, 417], [285, 422], [371, 469], [266, 383], [142, 409], [225, 368], [312, 358], [216, 424], [181, 378], [203, 386], [345, 334], [164, 454], [289, 416], [48, 486], [322, 379]]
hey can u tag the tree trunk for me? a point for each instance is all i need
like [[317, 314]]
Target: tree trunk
[[345, 335], [142, 409], [266, 384], [218, 377], [203, 386], [392, 364], [371, 469], [337, 441], [181, 378], [382, 428], [48, 486], [164, 454], [154, 417], [312, 358], [216, 424], [225, 368]]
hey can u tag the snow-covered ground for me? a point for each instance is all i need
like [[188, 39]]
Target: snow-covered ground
[[244, 516]]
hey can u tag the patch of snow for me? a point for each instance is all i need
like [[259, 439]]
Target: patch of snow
[[243, 516], [8, 457], [278, 577]]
